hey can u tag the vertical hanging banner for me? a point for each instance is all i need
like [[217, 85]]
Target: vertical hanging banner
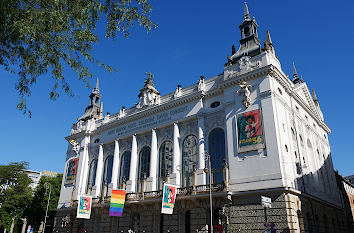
[[84, 207], [168, 198], [117, 203], [71, 171], [249, 131]]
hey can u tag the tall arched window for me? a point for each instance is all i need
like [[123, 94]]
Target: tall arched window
[[124, 167], [144, 165], [165, 162], [92, 174], [190, 159], [216, 144], [108, 165]]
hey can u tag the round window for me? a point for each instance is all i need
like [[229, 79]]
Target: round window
[[215, 104]]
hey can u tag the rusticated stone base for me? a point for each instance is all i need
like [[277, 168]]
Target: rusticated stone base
[[290, 212]]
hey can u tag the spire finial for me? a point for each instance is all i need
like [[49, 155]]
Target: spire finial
[[314, 97], [96, 89], [294, 70], [246, 12], [268, 45], [296, 78], [269, 39]]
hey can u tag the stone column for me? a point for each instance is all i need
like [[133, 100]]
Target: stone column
[[175, 177], [152, 179], [85, 166], [96, 190], [201, 161], [80, 186], [116, 165], [131, 183]]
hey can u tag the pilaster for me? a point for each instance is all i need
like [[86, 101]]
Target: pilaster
[[116, 165], [96, 190], [152, 180], [82, 166], [175, 177], [131, 183], [201, 161]]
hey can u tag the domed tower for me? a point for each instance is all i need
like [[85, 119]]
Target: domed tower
[[95, 109]]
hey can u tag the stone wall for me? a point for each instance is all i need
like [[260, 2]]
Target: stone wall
[[247, 215], [290, 213]]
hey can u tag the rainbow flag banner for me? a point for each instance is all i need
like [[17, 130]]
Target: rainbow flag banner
[[117, 203]]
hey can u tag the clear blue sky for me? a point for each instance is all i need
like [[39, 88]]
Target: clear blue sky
[[194, 38]]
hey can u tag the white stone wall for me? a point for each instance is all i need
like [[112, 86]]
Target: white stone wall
[[285, 109]]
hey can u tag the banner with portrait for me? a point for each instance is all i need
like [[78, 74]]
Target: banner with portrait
[[249, 131], [168, 198], [84, 207], [71, 171]]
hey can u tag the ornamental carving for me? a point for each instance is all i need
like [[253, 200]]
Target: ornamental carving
[[124, 145], [143, 140], [244, 65], [108, 150], [245, 93], [93, 152], [190, 127], [76, 146], [165, 134], [216, 120]]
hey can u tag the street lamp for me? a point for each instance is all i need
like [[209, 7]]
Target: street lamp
[[47, 186], [207, 157]]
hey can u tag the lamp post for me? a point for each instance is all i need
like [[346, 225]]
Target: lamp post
[[207, 158], [47, 186]]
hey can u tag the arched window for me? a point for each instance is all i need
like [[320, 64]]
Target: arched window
[[190, 159], [108, 165], [165, 163], [92, 174], [124, 167], [144, 165], [246, 31], [216, 144]]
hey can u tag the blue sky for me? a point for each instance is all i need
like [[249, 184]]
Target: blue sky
[[194, 38]]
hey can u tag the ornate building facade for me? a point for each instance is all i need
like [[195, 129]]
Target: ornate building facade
[[264, 135]]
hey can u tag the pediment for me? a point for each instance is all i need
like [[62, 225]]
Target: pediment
[[304, 93]]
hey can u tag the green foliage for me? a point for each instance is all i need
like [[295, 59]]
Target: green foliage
[[15, 194], [35, 213], [40, 36], [9, 174]]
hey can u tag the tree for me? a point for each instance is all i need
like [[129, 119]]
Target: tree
[[35, 212], [15, 192], [41, 36]]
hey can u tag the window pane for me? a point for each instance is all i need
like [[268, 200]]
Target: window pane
[[216, 143], [124, 167], [165, 162], [190, 159], [92, 174], [108, 170], [144, 163]]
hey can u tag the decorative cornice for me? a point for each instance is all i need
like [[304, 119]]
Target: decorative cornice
[[150, 111], [235, 80]]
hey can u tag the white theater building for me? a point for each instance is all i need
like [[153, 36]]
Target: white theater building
[[264, 132]]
